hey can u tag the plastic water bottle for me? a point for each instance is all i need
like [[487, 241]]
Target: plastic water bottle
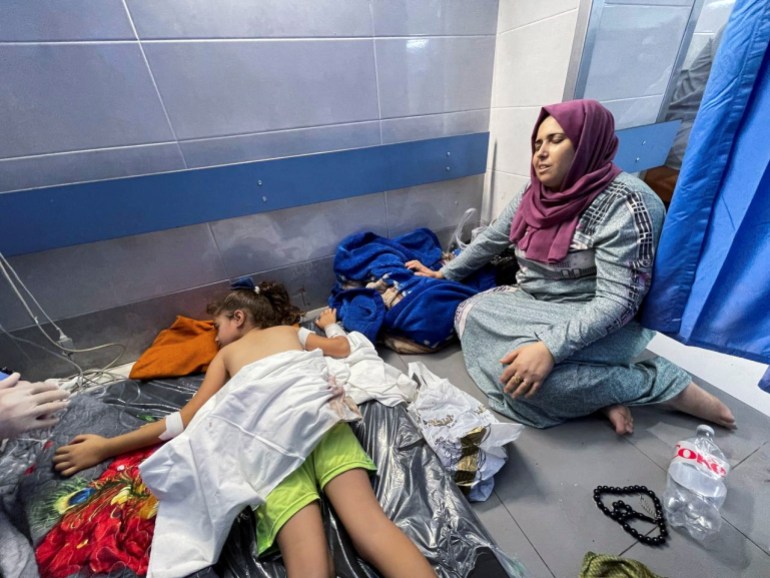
[[696, 485]]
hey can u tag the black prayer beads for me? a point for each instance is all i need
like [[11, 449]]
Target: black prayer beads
[[622, 513]]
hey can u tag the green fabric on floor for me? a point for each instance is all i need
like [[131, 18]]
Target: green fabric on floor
[[606, 566]]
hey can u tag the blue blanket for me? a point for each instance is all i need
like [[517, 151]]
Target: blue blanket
[[425, 312]]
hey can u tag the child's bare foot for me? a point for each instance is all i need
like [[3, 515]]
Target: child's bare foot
[[698, 402], [621, 419]]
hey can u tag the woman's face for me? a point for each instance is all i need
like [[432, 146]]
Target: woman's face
[[553, 154]]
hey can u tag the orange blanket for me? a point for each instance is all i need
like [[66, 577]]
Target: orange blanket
[[188, 346]]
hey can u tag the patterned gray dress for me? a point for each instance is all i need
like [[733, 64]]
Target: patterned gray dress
[[581, 308]]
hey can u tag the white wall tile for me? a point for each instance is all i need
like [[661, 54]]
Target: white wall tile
[[511, 131], [144, 266], [65, 97], [281, 238], [517, 13], [502, 188], [714, 15], [530, 65], [434, 205], [434, 125], [54, 20], [93, 165], [434, 17], [240, 87], [430, 75], [250, 19], [67, 282], [267, 145]]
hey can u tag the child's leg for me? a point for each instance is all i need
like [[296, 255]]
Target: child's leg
[[303, 545], [291, 518], [377, 539]]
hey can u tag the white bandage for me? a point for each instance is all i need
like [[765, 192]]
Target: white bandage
[[174, 426], [334, 330], [303, 333]]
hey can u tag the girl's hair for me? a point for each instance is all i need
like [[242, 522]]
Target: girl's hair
[[267, 305]]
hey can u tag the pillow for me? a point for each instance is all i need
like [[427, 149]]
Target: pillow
[[188, 346]]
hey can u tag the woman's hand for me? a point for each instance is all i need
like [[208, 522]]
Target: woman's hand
[[422, 271], [82, 452], [528, 366], [327, 317]]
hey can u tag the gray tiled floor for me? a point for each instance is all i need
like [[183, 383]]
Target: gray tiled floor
[[542, 509]]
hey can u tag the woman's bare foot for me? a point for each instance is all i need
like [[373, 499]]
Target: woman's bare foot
[[621, 419], [698, 402]]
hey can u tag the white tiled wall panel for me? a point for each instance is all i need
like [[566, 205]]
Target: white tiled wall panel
[[250, 19], [96, 276], [57, 20], [270, 240], [714, 15], [434, 125], [90, 165], [505, 186], [88, 84], [518, 13], [100, 89], [429, 75], [283, 143], [63, 97], [419, 206], [434, 17], [229, 88], [509, 148], [531, 62]]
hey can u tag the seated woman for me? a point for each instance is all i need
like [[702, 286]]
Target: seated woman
[[254, 324], [560, 343]]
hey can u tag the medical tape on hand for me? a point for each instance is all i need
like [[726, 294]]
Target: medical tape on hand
[[334, 330], [174, 426], [302, 334]]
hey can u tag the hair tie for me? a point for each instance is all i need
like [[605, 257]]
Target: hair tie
[[245, 283]]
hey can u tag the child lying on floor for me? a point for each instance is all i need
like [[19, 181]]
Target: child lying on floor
[[252, 325]]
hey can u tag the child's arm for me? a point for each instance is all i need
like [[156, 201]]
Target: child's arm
[[335, 343], [87, 450]]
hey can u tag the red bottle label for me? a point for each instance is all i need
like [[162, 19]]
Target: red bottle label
[[687, 452]]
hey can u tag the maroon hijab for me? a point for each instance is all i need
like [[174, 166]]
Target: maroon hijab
[[546, 220]]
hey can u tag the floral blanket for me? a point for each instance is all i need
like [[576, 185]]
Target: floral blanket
[[104, 525]]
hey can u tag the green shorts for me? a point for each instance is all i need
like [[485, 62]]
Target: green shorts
[[336, 453]]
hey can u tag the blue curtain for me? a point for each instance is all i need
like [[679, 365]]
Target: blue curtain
[[711, 283]]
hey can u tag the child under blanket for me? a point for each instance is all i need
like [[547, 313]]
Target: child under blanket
[[253, 330]]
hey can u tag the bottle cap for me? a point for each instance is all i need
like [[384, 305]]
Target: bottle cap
[[703, 428]]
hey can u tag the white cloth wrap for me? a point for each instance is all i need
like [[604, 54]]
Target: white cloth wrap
[[174, 426], [302, 334], [334, 330], [369, 377]]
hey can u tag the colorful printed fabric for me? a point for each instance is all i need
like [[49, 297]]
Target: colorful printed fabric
[[105, 526]]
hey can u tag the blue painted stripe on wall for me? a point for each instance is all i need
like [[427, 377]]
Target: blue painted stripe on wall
[[644, 147], [49, 218]]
